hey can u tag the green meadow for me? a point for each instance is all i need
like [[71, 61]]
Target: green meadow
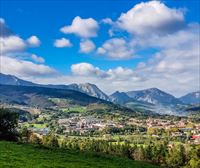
[[13, 155]]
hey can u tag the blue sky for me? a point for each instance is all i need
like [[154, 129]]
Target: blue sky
[[44, 20]]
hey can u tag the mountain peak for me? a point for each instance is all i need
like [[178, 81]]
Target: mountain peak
[[119, 97], [154, 96], [87, 88], [90, 89], [7, 79], [191, 98]]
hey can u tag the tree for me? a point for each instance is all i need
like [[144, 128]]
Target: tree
[[25, 134], [176, 157], [194, 161], [8, 125], [50, 140], [34, 138]]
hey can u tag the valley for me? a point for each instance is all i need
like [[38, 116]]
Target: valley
[[100, 84], [124, 125]]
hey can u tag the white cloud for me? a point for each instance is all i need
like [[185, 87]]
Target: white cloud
[[13, 56], [33, 41], [82, 27], [151, 17], [37, 58], [116, 48], [63, 42], [118, 74], [86, 69], [87, 46], [178, 39], [107, 21], [12, 44], [24, 69], [175, 68]]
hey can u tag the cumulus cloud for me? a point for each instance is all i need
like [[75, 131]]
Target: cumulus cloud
[[151, 17], [87, 46], [116, 48], [37, 58], [13, 56], [63, 42], [107, 21], [86, 69], [33, 41], [179, 39], [82, 27], [12, 43], [25, 69], [175, 68], [118, 73]]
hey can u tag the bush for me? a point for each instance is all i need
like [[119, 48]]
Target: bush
[[50, 140], [8, 125]]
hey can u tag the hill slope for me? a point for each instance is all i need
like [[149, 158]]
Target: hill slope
[[42, 97], [154, 96], [23, 156], [191, 98], [13, 80], [39, 96], [87, 88], [120, 97]]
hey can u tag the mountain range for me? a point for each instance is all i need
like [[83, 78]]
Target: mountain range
[[191, 98], [151, 99], [86, 88]]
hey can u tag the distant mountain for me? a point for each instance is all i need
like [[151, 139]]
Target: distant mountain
[[52, 98], [154, 96], [120, 97], [123, 99], [40, 96], [191, 98], [89, 89], [13, 80]]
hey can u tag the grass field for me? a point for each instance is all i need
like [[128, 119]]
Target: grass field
[[74, 109], [29, 156]]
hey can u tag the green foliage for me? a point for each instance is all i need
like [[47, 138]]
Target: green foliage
[[194, 159], [8, 124], [176, 156], [50, 140]]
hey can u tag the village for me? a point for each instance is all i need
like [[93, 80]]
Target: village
[[78, 125]]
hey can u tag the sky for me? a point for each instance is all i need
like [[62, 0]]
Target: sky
[[117, 45]]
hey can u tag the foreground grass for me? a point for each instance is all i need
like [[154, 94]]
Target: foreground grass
[[29, 156]]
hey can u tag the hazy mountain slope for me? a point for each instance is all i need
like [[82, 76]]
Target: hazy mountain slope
[[191, 98], [39, 96], [123, 99], [89, 89], [120, 97], [154, 96], [13, 80]]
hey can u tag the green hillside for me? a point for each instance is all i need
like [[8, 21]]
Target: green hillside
[[29, 156]]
